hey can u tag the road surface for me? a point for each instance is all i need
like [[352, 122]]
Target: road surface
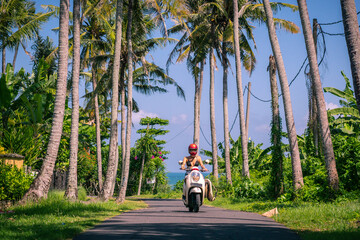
[[169, 219]]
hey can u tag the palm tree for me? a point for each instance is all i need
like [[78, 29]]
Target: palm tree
[[352, 34], [298, 181], [18, 22], [124, 180], [277, 154], [71, 188], [330, 163], [40, 187], [226, 115], [97, 41], [188, 16], [244, 138], [113, 158]]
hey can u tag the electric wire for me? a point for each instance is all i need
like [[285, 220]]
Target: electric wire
[[332, 23], [180, 132]]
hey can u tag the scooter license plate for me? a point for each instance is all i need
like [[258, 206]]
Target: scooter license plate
[[196, 185]]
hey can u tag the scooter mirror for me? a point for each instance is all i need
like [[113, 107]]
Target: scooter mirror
[[207, 161], [180, 162]]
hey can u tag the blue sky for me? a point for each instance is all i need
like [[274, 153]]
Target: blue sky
[[180, 112]]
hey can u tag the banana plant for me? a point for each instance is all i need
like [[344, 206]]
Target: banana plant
[[345, 119]]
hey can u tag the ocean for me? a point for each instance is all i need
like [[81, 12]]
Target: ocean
[[176, 176]]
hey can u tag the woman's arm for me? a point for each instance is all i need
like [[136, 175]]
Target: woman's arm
[[201, 164], [183, 164]]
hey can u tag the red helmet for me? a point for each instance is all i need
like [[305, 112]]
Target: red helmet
[[193, 149]]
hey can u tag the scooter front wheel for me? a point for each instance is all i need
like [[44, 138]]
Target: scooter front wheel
[[196, 202]]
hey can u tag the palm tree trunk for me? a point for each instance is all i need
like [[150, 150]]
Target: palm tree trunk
[[320, 101], [212, 112], [314, 115], [141, 173], [116, 167], [226, 116], [124, 181], [352, 36], [197, 110], [112, 162], [15, 55], [244, 138], [98, 131], [122, 99], [40, 187], [71, 188], [298, 181], [248, 109], [277, 155]]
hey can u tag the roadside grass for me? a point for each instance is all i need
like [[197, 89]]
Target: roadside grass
[[334, 220], [57, 218]]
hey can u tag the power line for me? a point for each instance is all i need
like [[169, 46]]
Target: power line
[[204, 136], [332, 23], [297, 74], [180, 132]]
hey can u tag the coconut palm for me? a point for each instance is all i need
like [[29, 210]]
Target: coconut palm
[[187, 16], [40, 187], [298, 181], [245, 169], [71, 188], [113, 158], [277, 153], [350, 21], [330, 163], [18, 22], [126, 164]]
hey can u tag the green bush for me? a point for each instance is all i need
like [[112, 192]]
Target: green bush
[[13, 182], [245, 188], [347, 155], [178, 187], [82, 193]]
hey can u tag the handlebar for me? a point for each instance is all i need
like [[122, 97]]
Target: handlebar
[[201, 170]]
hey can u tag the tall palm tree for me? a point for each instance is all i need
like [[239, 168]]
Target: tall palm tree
[[277, 154], [124, 180], [352, 36], [71, 188], [330, 163], [244, 138], [112, 162], [97, 41], [298, 181], [226, 115], [40, 187], [188, 16]]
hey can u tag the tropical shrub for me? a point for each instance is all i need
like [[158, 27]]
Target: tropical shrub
[[13, 182], [347, 155]]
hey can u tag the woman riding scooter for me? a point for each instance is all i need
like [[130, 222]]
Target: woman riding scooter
[[192, 160]]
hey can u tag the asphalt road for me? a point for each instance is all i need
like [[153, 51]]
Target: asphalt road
[[169, 219]]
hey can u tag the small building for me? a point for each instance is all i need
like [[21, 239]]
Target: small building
[[12, 159]]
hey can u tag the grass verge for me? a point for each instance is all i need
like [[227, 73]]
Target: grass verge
[[56, 218], [336, 220]]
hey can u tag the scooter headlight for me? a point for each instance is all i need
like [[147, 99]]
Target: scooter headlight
[[195, 176]]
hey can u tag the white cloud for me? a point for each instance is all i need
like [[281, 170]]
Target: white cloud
[[262, 128], [179, 119], [142, 114], [330, 105]]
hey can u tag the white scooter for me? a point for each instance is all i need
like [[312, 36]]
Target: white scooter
[[194, 188]]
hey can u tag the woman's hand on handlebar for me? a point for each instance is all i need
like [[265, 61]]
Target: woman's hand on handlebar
[[204, 170]]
